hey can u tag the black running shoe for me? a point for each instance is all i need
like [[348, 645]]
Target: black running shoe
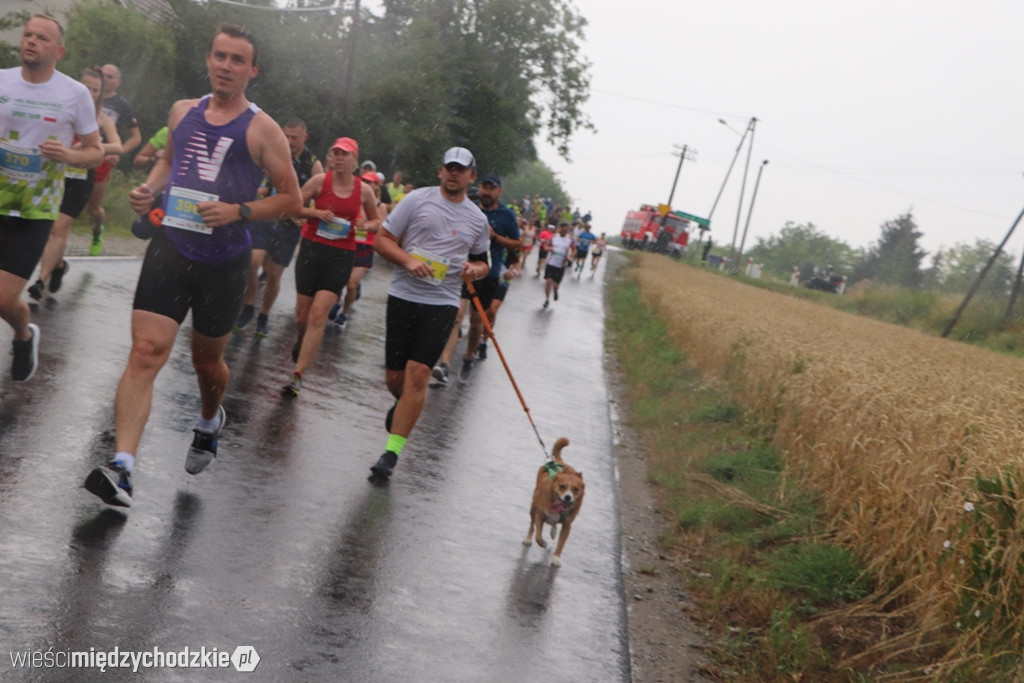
[[26, 356], [57, 276], [384, 467], [204, 446], [390, 417], [556, 293], [294, 386], [112, 483], [36, 290], [247, 314], [481, 351], [467, 368]]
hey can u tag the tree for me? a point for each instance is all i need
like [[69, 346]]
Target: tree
[[534, 178], [99, 34], [805, 247], [10, 54], [896, 258], [962, 264]]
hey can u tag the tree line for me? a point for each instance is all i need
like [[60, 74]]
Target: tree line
[[896, 258], [408, 82]]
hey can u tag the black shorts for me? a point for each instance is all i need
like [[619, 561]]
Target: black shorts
[[278, 239], [364, 256], [22, 241], [501, 291], [416, 332], [320, 267], [485, 290], [76, 194], [171, 285], [553, 273]]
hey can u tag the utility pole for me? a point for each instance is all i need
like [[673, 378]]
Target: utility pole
[[683, 153], [743, 186], [750, 210]]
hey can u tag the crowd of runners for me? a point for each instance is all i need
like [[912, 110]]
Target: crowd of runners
[[230, 198]]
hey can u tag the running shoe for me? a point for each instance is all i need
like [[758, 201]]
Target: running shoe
[[390, 417], [546, 303], [467, 367], [112, 483], [440, 373], [481, 351], [335, 310], [57, 276], [383, 468], [296, 348], [556, 293], [294, 386], [204, 446], [247, 314], [341, 321], [26, 356], [96, 248], [36, 290], [262, 326]]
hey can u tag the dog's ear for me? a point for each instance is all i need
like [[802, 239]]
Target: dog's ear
[[581, 474]]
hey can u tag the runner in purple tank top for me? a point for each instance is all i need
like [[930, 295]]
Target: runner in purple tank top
[[218, 149]]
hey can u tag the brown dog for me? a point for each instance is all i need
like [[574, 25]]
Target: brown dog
[[556, 500]]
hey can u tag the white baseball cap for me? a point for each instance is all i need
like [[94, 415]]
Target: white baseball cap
[[459, 155]]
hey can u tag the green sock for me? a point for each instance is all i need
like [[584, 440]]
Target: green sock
[[396, 443]]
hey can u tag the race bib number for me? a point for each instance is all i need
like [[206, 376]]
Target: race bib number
[[335, 229], [438, 264], [557, 258], [75, 173], [20, 163], [182, 212], [362, 235]]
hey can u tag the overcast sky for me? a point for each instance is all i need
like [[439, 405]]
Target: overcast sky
[[865, 110]]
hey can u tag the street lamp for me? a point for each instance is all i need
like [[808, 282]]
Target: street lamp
[[750, 210]]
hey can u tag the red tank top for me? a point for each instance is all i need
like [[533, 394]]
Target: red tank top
[[347, 208]]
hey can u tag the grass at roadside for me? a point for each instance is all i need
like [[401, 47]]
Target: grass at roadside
[[770, 584]]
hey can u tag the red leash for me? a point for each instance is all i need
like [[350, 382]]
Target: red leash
[[490, 333]]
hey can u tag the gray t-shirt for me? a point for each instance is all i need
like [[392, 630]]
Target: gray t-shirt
[[442, 232]]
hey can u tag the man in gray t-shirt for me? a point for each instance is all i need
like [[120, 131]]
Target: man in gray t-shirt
[[438, 238]]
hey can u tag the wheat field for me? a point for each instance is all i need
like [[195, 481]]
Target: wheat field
[[914, 443]]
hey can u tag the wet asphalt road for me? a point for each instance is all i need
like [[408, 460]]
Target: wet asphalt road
[[282, 544]]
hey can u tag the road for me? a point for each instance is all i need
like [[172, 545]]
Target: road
[[282, 545]]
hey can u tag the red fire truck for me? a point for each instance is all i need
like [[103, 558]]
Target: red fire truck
[[647, 229]]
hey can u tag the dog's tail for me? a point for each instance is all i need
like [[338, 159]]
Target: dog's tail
[[556, 450]]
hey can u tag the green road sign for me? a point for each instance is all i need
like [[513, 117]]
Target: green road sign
[[696, 219]]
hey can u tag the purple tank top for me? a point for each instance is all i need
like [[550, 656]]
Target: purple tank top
[[210, 160]]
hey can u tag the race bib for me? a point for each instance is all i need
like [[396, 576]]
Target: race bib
[[362, 235], [75, 173], [335, 229], [438, 264], [182, 212], [20, 163]]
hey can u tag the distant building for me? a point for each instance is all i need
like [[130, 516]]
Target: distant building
[[157, 10]]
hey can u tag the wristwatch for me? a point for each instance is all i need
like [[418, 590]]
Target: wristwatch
[[244, 211]]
